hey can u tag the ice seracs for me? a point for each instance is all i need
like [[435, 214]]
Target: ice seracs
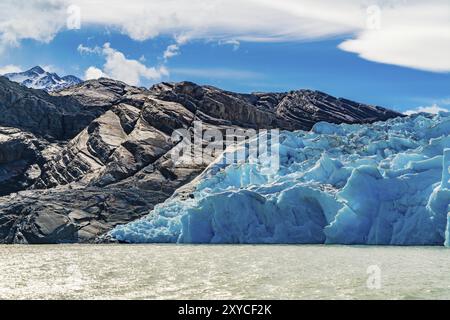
[[385, 183], [38, 78]]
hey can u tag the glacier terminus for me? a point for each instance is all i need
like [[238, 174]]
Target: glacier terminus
[[386, 183]]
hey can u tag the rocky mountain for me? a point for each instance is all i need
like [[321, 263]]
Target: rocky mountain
[[78, 162], [38, 78]]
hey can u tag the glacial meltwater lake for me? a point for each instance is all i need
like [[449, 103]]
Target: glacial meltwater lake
[[223, 272]]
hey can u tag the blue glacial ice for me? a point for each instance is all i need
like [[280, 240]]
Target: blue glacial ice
[[387, 183]]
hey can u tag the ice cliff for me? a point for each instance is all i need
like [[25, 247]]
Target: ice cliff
[[386, 183]]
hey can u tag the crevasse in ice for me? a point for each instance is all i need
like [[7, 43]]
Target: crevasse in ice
[[386, 183]]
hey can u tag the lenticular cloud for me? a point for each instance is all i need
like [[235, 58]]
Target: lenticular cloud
[[386, 183]]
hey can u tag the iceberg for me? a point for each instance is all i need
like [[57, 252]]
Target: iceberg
[[386, 183]]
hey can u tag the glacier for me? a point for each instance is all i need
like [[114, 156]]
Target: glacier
[[386, 183]]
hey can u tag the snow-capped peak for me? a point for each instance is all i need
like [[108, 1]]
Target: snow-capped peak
[[36, 70], [38, 78]]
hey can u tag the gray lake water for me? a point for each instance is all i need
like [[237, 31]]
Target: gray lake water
[[223, 272]]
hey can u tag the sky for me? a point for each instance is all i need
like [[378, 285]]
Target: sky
[[390, 53]]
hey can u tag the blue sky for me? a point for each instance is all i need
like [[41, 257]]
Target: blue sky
[[243, 65]]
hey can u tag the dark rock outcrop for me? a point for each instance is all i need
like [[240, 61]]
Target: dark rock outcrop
[[19, 154], [50, 116], [80, 161]]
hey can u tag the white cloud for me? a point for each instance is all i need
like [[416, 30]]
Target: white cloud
[[433, 109], [416, 35], [11, 68], [23, 19], [413, 33], [118, 67], [93, 73]]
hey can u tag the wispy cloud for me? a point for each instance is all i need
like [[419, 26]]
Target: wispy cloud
[[88, 50], [171, 51], [445, 102], [52, 69], [433, 109], [231, 42], [216, 73], [174, 49], [11, 68]]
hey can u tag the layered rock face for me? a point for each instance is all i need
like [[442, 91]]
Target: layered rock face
[[19, 153], [296, 110], [54, 117], [78, 162]]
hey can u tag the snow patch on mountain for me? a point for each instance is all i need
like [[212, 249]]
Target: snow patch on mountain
[[387, 183], [38, 78]]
